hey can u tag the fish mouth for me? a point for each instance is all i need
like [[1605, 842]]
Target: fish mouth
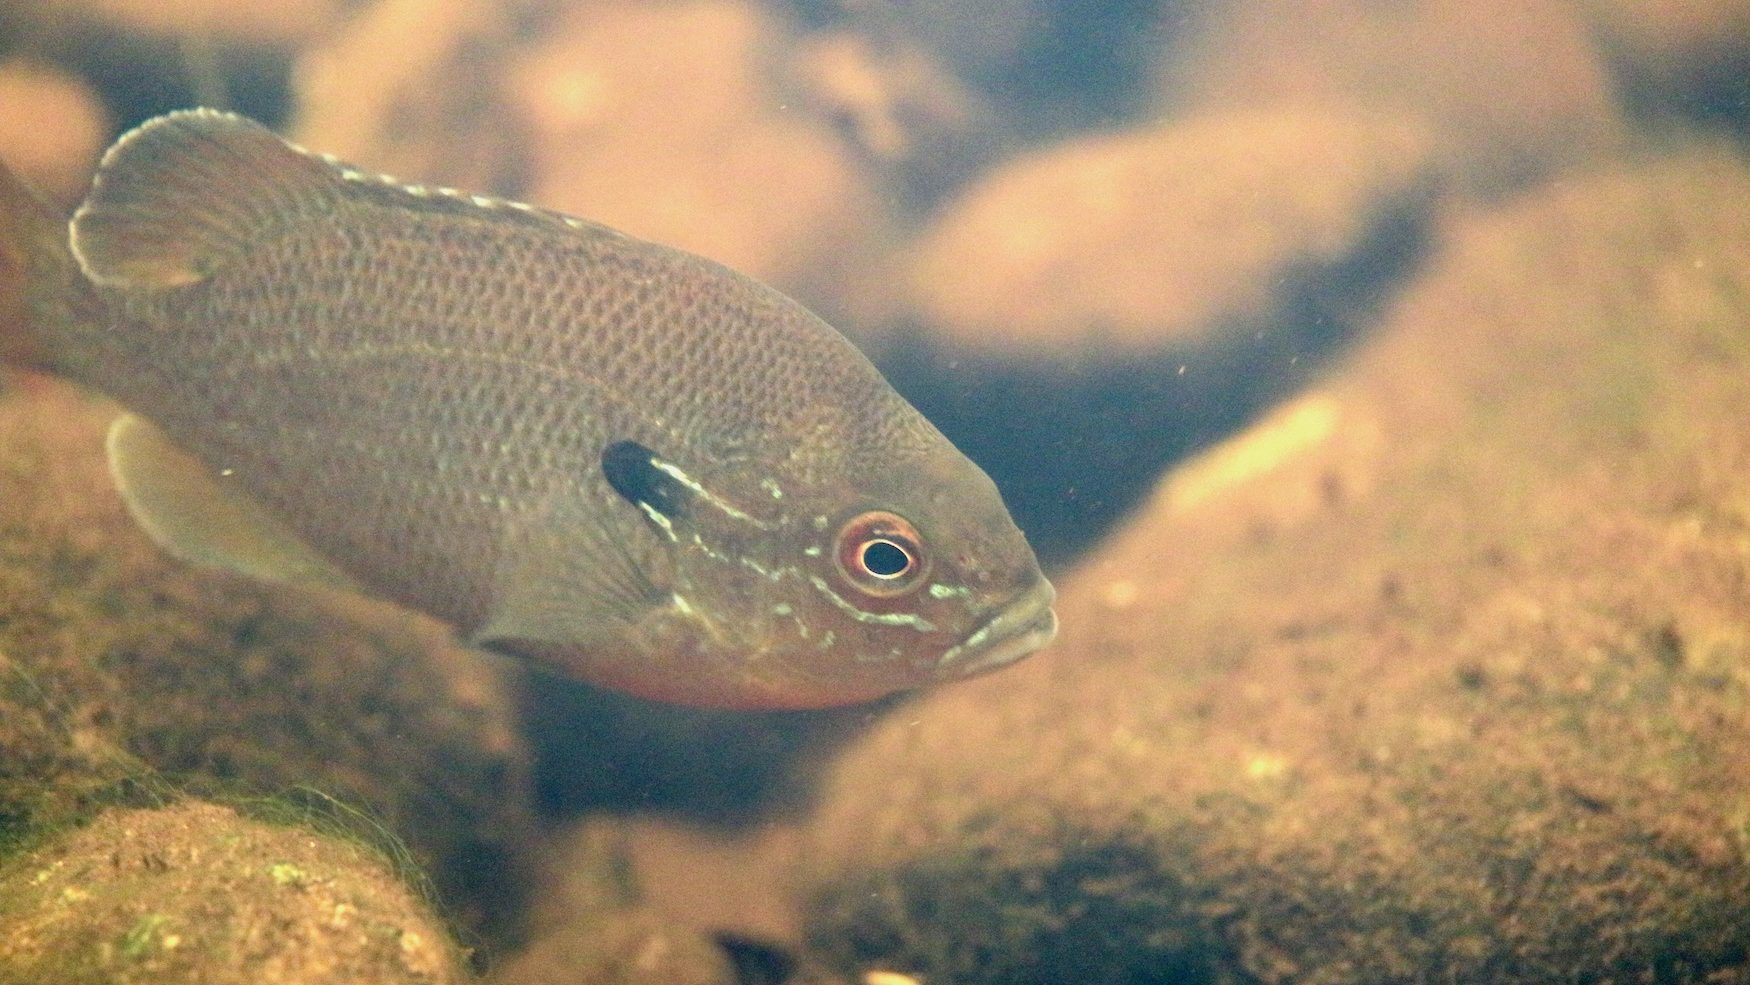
[[1021, 627]]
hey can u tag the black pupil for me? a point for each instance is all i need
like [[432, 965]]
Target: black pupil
[[885, 559]]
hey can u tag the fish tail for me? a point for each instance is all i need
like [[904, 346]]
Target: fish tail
[[42, 294]]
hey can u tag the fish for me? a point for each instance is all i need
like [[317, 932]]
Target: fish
[[621, 462]]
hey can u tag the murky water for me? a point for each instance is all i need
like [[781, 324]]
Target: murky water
[[1369, 379]]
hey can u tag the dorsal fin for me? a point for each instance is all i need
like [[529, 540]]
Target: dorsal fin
[[178, 196]]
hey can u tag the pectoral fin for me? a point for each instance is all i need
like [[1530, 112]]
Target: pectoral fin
[[569, 579], [190, 511]]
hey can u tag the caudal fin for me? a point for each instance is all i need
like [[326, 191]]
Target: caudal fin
[[40, 286]]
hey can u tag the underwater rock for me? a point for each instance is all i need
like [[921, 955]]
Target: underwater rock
[[646, 900], [688, 142], [1512, 90], [1160, 238], [117, 663], [591, 924], [910, 122], [1439, 674], [726, 880], [52, 129], [1095, 311], [196, 893], [626, 947]]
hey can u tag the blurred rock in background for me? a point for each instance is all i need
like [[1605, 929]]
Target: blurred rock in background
[[1437, 673], [666, 121], [410, 88], [53, 129], [1512, 90]]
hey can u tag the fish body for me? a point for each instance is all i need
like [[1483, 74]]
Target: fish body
[[620, 460]]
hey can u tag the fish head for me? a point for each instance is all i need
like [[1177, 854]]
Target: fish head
[[820, 577], [926, 578]]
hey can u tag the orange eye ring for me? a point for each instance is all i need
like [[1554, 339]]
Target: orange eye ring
[[881, 554]]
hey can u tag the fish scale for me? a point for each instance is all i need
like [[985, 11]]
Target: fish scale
[[414, 393]]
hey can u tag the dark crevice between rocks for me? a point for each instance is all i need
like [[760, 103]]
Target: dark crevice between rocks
[[1082, 63], [1100, 910], [757, 962], [1711, 95], [139, 76], [596, 750]]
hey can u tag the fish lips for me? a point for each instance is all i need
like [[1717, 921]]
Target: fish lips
[[1019, 628]]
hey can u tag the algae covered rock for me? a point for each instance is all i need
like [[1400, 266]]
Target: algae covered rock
[[195, 892], [1438, 674], [117, 662]]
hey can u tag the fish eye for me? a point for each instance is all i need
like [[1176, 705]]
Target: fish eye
[[881, 553]]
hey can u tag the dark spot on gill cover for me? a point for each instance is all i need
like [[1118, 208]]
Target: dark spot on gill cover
[[630, 469]]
